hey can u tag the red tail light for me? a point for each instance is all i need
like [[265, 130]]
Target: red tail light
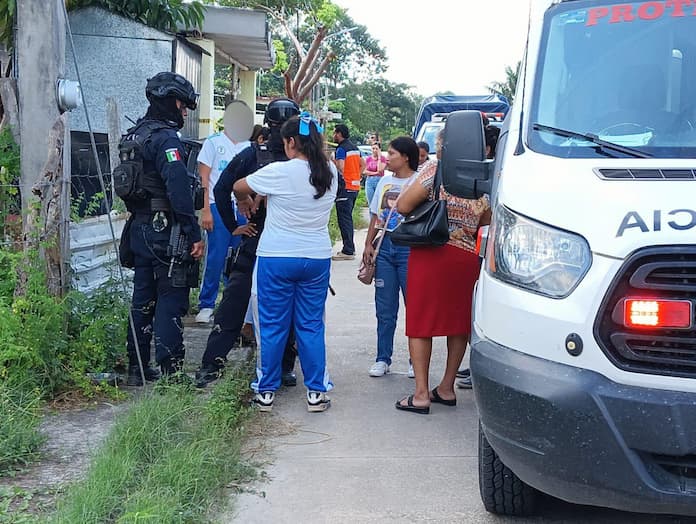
[[657, 313]]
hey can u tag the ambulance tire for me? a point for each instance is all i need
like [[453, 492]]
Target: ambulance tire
[[502, 492]]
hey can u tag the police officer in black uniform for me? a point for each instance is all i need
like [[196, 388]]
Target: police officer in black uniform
[[230, 313], [163, 235]]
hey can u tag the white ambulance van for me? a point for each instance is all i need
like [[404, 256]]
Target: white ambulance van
[[584, 335]]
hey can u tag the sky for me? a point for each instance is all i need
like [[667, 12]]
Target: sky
[[445, 45]]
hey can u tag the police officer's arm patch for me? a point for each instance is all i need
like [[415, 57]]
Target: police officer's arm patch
[[173, 155]]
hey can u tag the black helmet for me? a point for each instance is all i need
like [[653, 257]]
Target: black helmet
[[171, 84], [279, 110]]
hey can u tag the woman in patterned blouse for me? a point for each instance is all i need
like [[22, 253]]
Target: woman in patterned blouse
[[440, 285]]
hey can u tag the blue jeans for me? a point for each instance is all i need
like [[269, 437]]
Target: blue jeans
[[390, 276], [219, 240], [370, 186], [292, 291]]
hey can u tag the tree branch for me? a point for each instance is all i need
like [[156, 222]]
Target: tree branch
[[308, 61], [295, 42], [307, 87]]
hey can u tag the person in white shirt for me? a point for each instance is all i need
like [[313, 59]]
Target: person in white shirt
[[217, 151], [391, 260], [293, 259]]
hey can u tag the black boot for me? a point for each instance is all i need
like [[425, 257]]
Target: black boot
[[208, 373], [135, 379]]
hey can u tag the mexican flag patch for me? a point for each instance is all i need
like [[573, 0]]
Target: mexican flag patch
[[173, 155]]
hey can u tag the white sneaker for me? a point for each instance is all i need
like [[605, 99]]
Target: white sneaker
[[342, 256], [317, 401], [411, 373], [264, 401], [379, 369], [205, 315]]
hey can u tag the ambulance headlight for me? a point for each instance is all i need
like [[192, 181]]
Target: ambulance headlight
[[536, 257]]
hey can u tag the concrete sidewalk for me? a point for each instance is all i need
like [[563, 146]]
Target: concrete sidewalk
[[360, 460]]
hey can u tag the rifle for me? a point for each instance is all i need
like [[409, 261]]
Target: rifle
[[183, 269]]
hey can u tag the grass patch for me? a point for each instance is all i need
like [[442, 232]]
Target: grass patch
[[168, 459], [19, 423]]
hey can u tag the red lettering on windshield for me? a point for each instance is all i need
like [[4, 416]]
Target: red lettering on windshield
[[595, 14], [677, 6], [646, 11], [622, 13]]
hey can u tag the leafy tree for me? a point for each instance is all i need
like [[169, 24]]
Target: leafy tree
[[377, 106], [306, 30], [509, 85]]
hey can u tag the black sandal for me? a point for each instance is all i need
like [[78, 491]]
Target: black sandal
[[421, 410], [439, 400]]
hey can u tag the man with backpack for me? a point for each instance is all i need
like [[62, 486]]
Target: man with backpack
[[161, 240]]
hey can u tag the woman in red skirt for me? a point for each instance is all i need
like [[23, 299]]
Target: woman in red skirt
[[440, 285]]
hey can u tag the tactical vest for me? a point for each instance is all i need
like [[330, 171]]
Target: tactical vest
[[265, 156], [137, 187]]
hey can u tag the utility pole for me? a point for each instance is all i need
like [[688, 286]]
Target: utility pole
[[40, 44]]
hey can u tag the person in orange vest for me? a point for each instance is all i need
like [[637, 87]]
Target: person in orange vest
[[350, 165]]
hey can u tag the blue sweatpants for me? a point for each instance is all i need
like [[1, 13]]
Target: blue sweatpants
[[219, 240], [291, 290]]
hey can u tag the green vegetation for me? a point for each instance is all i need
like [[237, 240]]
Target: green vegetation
[[508, 86], [47, 345], [165, 15], [19, 421], [167, 458]]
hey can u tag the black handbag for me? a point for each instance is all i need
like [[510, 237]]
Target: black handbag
[[427, 224]]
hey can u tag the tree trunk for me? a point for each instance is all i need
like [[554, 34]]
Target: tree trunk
[[51, 219], [10, 116]]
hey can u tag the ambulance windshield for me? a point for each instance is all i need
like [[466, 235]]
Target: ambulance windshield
[[623, 71]]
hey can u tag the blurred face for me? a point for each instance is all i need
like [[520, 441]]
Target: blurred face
[[422, 155], [395, 160], [337, 137], [375, 150]]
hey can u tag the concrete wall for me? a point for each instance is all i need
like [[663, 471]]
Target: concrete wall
[[116, 57]]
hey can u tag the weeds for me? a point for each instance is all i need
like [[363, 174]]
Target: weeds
[[47, 345], [167, 458], [19, 421]]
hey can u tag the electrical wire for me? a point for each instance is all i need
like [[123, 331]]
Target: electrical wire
[[103, 188]]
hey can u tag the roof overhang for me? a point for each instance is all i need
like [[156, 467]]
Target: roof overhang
[[242, 37]]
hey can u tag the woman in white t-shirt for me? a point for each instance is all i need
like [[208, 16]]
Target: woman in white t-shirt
[[392, 260], [293, 259]]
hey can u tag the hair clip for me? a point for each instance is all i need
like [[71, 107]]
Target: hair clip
[[305, 120]]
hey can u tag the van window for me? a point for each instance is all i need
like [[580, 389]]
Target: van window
[[623, 71], [429, 134]]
